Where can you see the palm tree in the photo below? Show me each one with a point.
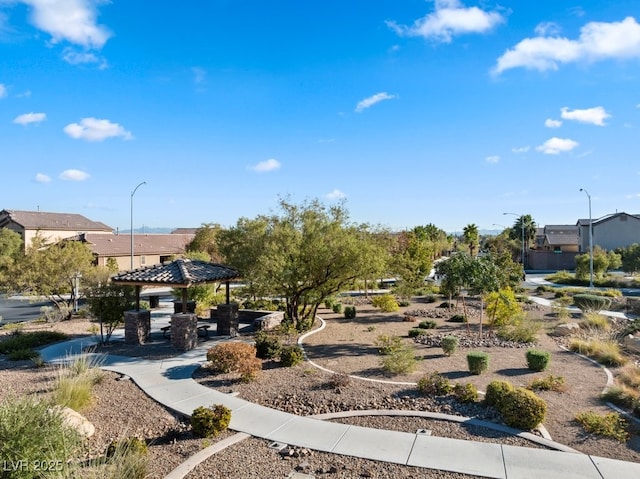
(471, 237)
(530, 228)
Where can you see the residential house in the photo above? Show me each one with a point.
(51, 226)
(557, 238)
(617, 230)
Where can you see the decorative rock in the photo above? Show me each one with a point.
(566, 329)
(632, 343)
(77, 421)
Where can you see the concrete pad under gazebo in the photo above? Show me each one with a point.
(181, 274)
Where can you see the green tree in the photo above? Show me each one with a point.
(411, 261)
(530, 229)
(11, 251)
(471, 237)
(441, 243)
(108, 302)
(603, 261)
(205, 240)
(630, 257)
(305, 253)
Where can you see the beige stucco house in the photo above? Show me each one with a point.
(617, 230)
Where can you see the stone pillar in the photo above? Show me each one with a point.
(184, 331)
(177, 307)
(227, 319)
(137, 326)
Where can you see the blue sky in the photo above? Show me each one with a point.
(412, 112)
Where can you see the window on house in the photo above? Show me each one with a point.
(143, 260)
(557, 249)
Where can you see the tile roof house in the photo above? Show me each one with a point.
(52, 226)
(557, 238)
(617, 230)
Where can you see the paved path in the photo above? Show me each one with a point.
(169, 382)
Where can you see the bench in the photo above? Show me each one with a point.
(203, 331)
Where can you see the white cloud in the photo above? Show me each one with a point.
(372, 100)
(595, 115)
(3, 90)
(336, 195)
(82, 58)
(597, 41)
(28, 118)
(492, 159)
(73, 21)
(450, 18)
(42, 178)
(93, 129)
(25, 94)
(547, 28)
(521, 149)
(266, 166)
(551, 123)
(555, 145)
(199, 75)
(74, 175)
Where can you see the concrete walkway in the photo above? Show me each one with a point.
(169, 382)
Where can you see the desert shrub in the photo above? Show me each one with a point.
(388, 344)
(129, 445)
(591, 303)
(525, 331)
(502, 307)
(127, 458)
(560, 294)
(427, 324)
(403, 303)
(478, 362)
(73, 387)
(449, 345)
(609, 425)
(328, 303)
(434, 384)
(595, 321)
(385, 302)
(415, 332)
(548, 383)
(350, 312)
(22, 354)
(235, 357)
(210, 421)
(35, 433)
(400, 361)
(457, 318)
(605, 351)
(537, 360)
(268, 346)
(622, 396)
(291, 355)
(560, 307)
(430, 298)
(465, 393)
(631, 327)
(339, 380)
(496, 393)
(522, 409)
(445, 304)
(336, 308)
(630, 375)
(20, 340)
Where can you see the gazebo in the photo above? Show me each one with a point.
(181, 274)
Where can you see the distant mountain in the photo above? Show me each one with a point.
(148, 231)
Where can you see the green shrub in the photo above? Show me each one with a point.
(415, 332)
(524, 332)
(622, 396)
(522, 409)
(427, 324)
(445, 304)
(548, 383)
(129, 445)
(478, 362)
(400, 361)
(496, 393)
(388, 344)
(606, 352)
(430, 298)
(235, 357)
(210, 421)
(74, 392)
(465, 393)
(537, 360)
(595, 321)
(22, 354)
(336, 308)
(591, 303)
(126, 459)
(350, 312)
(434, 385)
(457, 318)
(22, 341)
(449, 344)
(609, 425)
(328, 303)
(404, 303)
(291, 355)
(268, 346)
(385, 302)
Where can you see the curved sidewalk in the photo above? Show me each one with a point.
(169, 382)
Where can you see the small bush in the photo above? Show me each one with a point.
(524, 332)
(445, 304)
(465, 393)
(548, 383)
(210, 421)
(591, 303)
(430, 298)
(404, 303)
(537, 360)
(291, 355)
(21, 341)
(606, 352)
(74, 392)
(449, 345)
(268, 346)
(127, 458)
(388, 344)
(339, 380)
(336, 308)
(478, 362)
(130, 445)
(457, 318)
(434, 384)
(595, 321)
(427, 324)
(350, 312)
(609, 425)
(415, 332)
(385, 302)
(496, 393)
(400, 361)
(235, 357)
(22, 354)
(622, 396)
(522, 409)
(328, 303)
(630, 375)
(407, 318)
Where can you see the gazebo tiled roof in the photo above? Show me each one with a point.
(180, 273)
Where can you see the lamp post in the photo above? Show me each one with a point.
(590, 240)
(522, 228)
(133, 193)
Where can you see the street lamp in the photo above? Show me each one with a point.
(133, 193)
(522, 228)
(590, 240)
